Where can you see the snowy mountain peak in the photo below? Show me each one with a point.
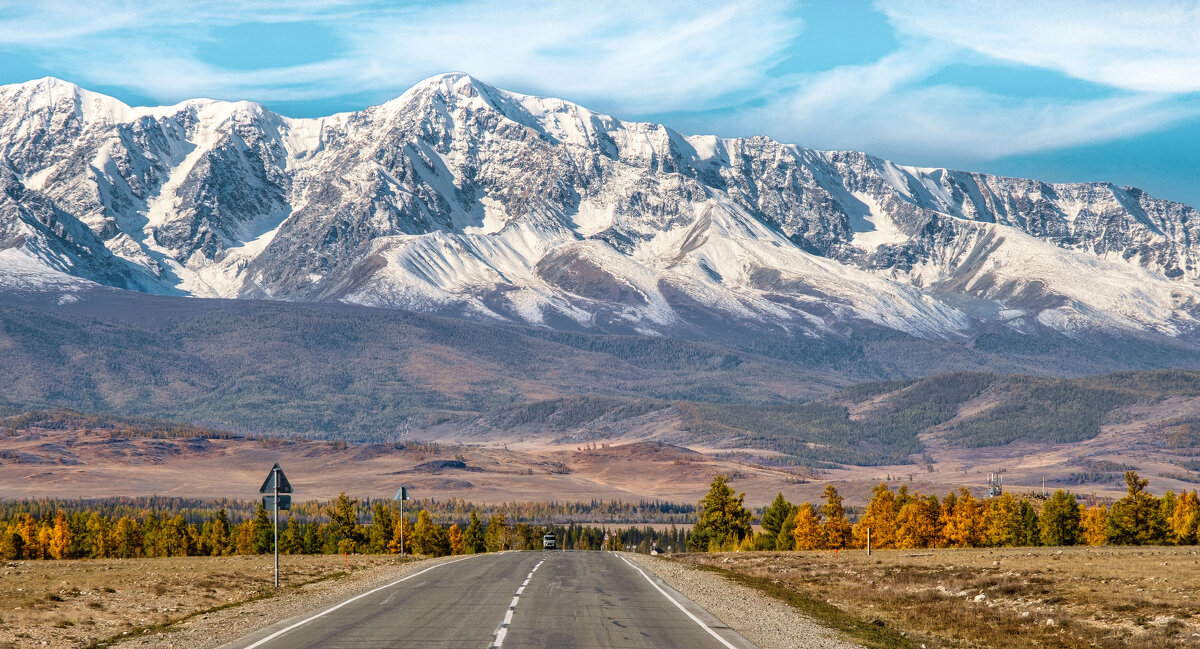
(51, 93)
(461, 198)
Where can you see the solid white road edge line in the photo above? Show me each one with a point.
(334, 608)
(502, 630)
(678, 605)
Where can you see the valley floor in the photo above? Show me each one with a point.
(95, 464)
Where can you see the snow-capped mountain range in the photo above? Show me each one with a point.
(461, 198)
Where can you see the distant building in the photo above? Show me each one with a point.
(995, 484)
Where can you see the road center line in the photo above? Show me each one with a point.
(502, 630)
(678, 605)
(356, 597)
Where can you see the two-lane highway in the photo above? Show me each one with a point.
(563, 600)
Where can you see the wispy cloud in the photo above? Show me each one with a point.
(636, 56)
(718, 60)
(639, 56)
(1144, 46)
(888, 108)
(1147, 55)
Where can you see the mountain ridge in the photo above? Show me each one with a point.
(461, 199)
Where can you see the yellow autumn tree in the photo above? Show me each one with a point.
(402, 529)
(457, 544)
(28, 530)
(917, 523)
(807, 533)
(45, 539)
(945, 518)
(880, 518)
(60, 536)
(244, 543)
(1095, 525)
(835, 531)
(1002, 521)
(1185, 520)
(964, 529)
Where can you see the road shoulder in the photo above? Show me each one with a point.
(763, 620)
(228, 625)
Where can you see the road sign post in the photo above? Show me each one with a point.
(275, 484)
(401, 495)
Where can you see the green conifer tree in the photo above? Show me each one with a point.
(722, 518)
(1059, 523)
(772, 520)
(473, 539)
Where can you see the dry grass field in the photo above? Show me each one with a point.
(79, 464)
(1139, 597)
(78, 603)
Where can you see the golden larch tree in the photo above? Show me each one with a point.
(917, 523)
(1002, 521)
(964, 528)
(807, 533)
(1186, 519)
(60, 536)
(835, 531)
(1095, 525)
(880, 518)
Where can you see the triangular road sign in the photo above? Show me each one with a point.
(268, 487)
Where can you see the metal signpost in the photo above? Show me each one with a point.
(401, 495)
(275, 484)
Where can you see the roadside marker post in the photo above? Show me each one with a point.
(401, 495)
(275, 484)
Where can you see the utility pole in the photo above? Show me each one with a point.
(868, 541)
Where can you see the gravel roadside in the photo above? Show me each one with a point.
(212, 630)
(767, 622)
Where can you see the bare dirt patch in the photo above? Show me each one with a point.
(76, 603)
(999, 598)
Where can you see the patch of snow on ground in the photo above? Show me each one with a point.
(592, 217)
(876, 228)
(21, 270)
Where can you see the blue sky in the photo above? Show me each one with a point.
(1040, 89)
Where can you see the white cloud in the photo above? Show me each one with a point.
(637, 56)
(964, 124)
(890, 107)
(1144, 46)
(630, 55)
(634, 57)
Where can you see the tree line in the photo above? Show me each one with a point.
(94, 534)
(900, 519)
(443, 511)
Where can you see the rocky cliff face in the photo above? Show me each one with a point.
(461, 198)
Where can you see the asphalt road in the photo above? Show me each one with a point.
(557, 600)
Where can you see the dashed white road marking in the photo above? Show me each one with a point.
(679, 606)
(502, 630)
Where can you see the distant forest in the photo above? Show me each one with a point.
(163, 527)
(889, 418)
